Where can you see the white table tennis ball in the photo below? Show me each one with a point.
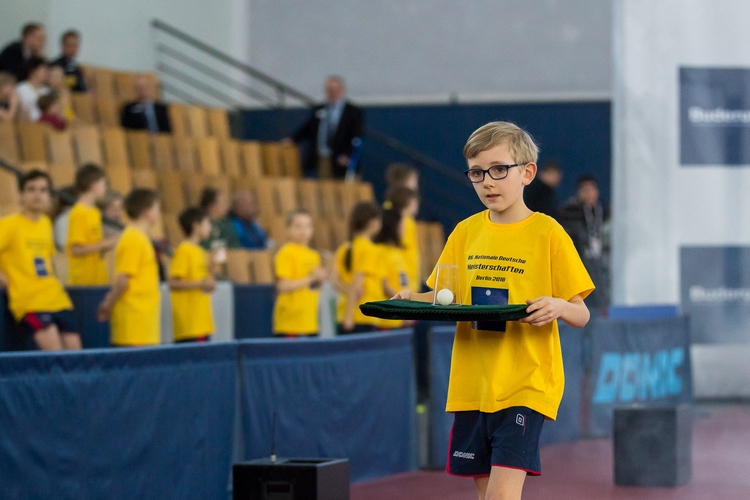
(445, 297)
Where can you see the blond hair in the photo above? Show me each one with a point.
(520, 144)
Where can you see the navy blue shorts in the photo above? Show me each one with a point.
(507, 438)
(35, 321)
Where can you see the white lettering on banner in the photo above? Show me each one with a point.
(463, 454)
(719, 294)
(718, 116)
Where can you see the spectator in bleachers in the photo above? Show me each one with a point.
(86, 244)
(9, 101)
(134, 299)
(111, 208)
(191, 280)
(540, 196)
(145, 113)
(223, 235)
(329, 132)
(244, 216)
(401, 175)
(56, 84)
(392, 261)
(30, 90)
(70, 44)
(299, 276)
(358, 277)
(14, 57)
(38, 301)
(65, 200)
(52, 111)
(405, 201)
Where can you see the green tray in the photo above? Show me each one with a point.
(409, 309)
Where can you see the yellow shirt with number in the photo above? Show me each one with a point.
(85, 228)
(191, 309)
(26, 249)
(135, 315)
(366, 260)
(296, 312)
(513, 363)
(395, 273)
(411, 254)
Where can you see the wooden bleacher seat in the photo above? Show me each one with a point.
(62, 174)
(194, 184)
(196, 121)
(84, 108)
(208, 155)
(172, 229)
(125, 86)
(340, 230)
(329, 200)
(33, 140)
(143, 178)
(177, 118)
(171, 191)
(26, 166)
(60, 147)
(292, 164)
(107, 111)
(309, 197)
(185, 154)
(348, 196)
(218, 123)
(230, 158)
(9, 150)
(8, 189)
(252, 159)
(238, 266)
(156, 232)
(261, 265)
(139, 148)
(365, 192)
(272, 160)
(162, 148)
(87, 141)
(431, 240)
(323, 236)
(119, 178)
(102, 82)
(115, 146)
(6, 210)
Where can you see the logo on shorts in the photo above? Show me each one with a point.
(463, 454)
(520, 420)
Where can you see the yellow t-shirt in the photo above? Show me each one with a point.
(26, 249)
(411, 254)
(493, 369)
(366, 260)
(395, 273)
(191, 309)
(296, 312)
(135, 315)
(85, 228)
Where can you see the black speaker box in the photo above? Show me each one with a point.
(653, 446)
(291, 479)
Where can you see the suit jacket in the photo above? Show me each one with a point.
(12, 61)
(350, 126)
(134, 117)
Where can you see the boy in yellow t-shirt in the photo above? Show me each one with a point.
(37, 299)
(507, 378)
(298, 279)
(394, 271)
(191, 280)
(86, 243)
(405, 200)
(358, 277)
(133, 302)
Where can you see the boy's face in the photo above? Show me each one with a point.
(153, 214)
(301, 229)
(35, 196)
(203, 228)
(500, 195)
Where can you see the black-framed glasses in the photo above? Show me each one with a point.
(496, 172)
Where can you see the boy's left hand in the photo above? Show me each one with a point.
(544, 310)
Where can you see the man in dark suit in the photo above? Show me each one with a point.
(330, 131)
(540, 196)
(145, 113)
(13, 57)
(70, 44)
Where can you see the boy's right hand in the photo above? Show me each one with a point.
(402, 295)
(104, 312)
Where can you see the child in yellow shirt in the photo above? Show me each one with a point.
(37, 299)
(358, 276)
(191, 280)
(298, 279)
(405, 200)
(392, 262)
(507, 378)
(134, 300)
(86, 244)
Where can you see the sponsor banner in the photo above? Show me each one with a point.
(714, 116)
(643, 363)
(715, 289)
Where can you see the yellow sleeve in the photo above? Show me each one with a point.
(569, 276)
(180, 263)
(78, 227)
(128, 256)
(283, 264)
(448, 256)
